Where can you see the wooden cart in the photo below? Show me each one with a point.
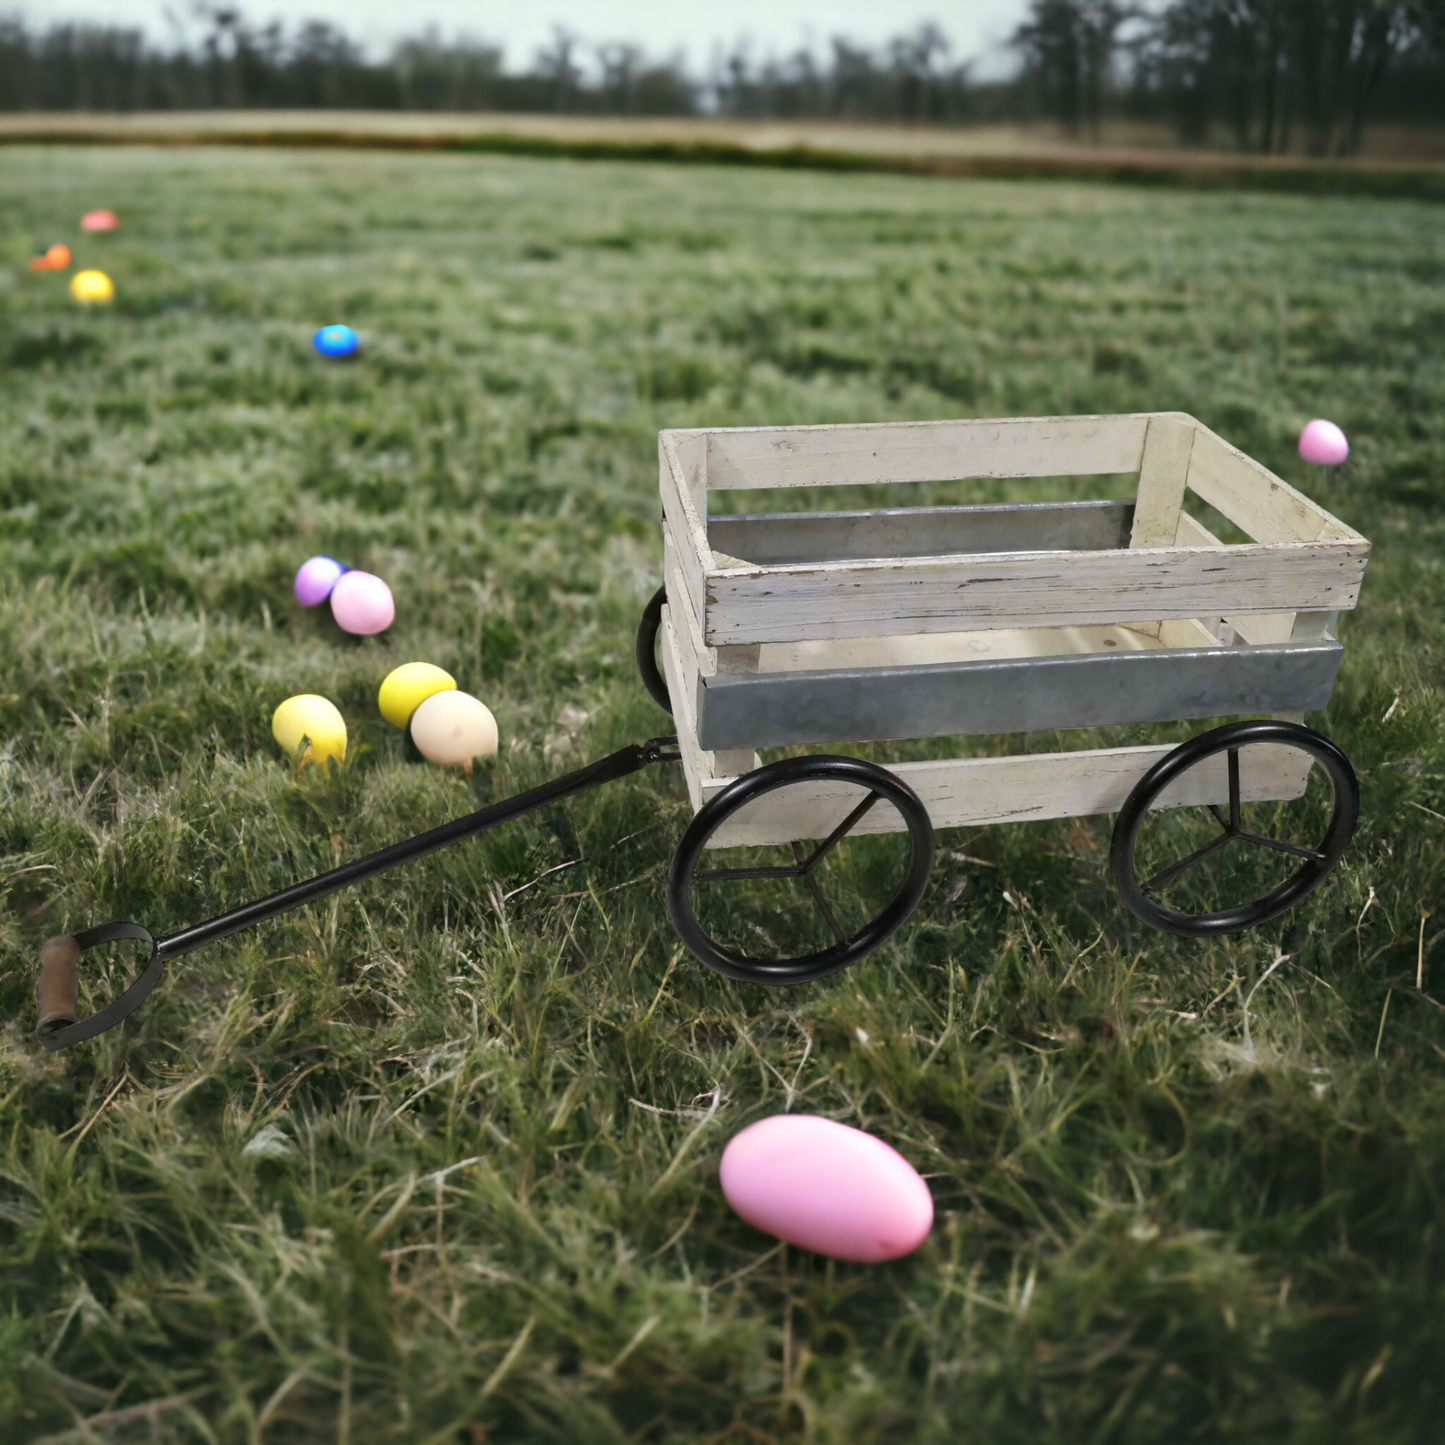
(804, 628)
(788, 629)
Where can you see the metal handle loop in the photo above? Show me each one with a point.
(117, 1008)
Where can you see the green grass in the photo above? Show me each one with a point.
(232, 1220)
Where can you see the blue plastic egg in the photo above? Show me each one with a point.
(336, 341)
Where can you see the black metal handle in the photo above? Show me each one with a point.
(55, 1033)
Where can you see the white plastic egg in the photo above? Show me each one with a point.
(453, 728)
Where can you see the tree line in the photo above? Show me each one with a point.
(1261, 75)
(237, 64)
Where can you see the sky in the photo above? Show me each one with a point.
(977, 28)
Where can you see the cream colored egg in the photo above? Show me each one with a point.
(310, 729)
(452, 728)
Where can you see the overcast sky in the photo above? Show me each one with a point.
(977, 28)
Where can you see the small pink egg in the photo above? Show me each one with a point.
(315, 579)
(1323, 443)
(826, 1187)
(362, 603)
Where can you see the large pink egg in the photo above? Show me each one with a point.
(362, 603)
(1323, 443)
(826, 1187)
(315, 578)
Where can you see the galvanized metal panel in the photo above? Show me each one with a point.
(1013, 695)
(778, 539)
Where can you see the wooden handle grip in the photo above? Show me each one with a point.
(59, 987)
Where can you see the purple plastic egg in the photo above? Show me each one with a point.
(826, 1187)
(315, 579)
(362, 603)
(1323, 443)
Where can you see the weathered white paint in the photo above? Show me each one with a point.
(681, 519)
(1255, 628)
(1162, 472)
(971, 792)
(1026, 589)
(699, 767)
(1254, 499)
(923, 451)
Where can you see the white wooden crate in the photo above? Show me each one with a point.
(1151, 577)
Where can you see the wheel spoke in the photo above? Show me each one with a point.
(715, 875)
(836, 836)
(817, 892)
(1293, 848)
(1234, 790)
(1219, 817)
(1184, 863)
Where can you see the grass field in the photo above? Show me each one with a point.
(435, 1160)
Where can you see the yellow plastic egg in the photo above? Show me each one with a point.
(310, 723)
(407, 687)
(452, 728)
(88, 286)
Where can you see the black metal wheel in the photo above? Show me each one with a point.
(881, 880)
(1323, 802)
(652, 678)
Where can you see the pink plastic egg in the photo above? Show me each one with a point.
(99, 221)
(362, 603)
(826, 1187)
(1323, 443)
(315, 579)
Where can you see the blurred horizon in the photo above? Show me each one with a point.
(977, 31)
(1261, 76)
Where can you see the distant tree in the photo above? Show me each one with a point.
(1261, 68)
(555, 64)
(1068, 49)
(433, 74)
(910, 80)
(632, 85)
(854, 81)
(918, 64)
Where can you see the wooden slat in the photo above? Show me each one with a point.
(1193, 533)
(1163, 468)
(697, 766)
(685, 617)
(1035, 589)
(1253, 498)
(1186, 632)
(937, 451)
(971, 792)
(927, 648)
(684, 524)
(724, 763)
(699, 661)
(690, 450)
(1162, 472)
(1255, 628)
(1260, 628)
(1313, 626)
